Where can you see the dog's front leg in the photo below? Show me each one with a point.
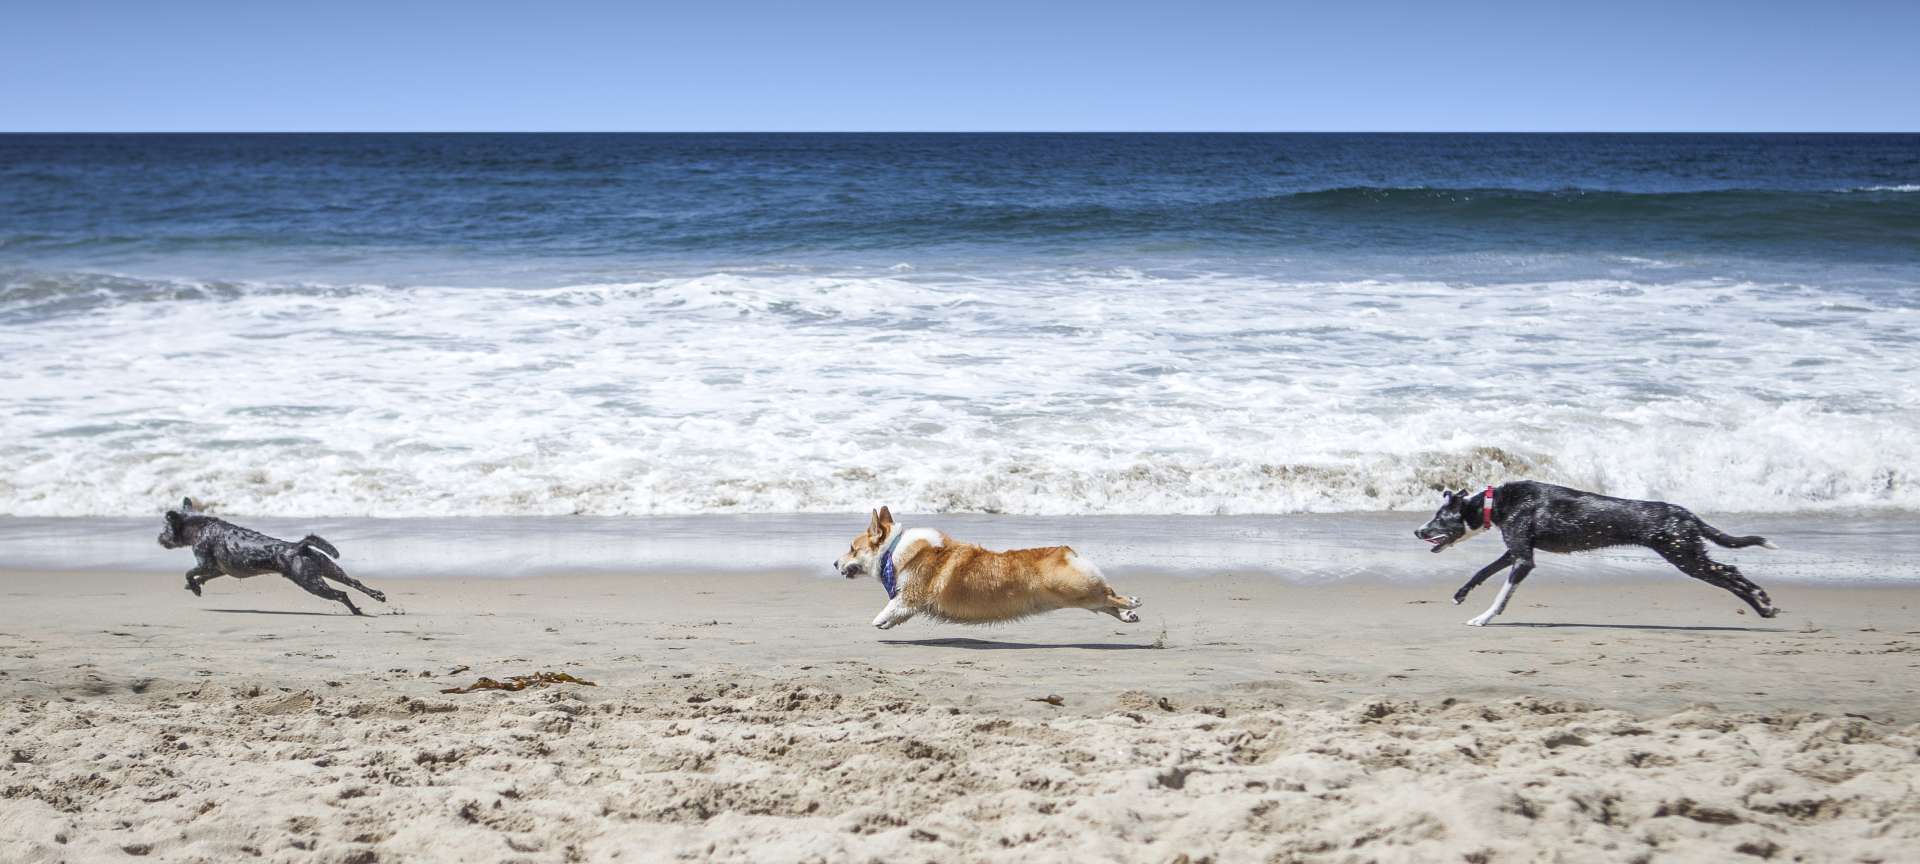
(1460, 596)
(204, 568)
(1519, 575)
(199, 575)
(895, 613)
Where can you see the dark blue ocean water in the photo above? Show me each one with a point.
(457, 325)
(547, 209)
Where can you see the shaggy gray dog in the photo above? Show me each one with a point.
(221, 548)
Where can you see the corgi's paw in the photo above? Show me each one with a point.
(1129, 602)
(1129, 616)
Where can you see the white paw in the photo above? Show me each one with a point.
(1130, 616)
(1478, 622)
(1129, 602)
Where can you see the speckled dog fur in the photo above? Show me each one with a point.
(1532, 515)
(221, 548)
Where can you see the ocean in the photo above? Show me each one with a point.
(452, 326)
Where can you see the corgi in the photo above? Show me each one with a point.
(925, 572)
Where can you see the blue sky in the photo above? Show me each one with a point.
(716, 65)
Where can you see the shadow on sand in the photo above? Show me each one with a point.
(1675, 627)
(274, 612)
(991, 645)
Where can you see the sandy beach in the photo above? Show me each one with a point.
(758, 717)
(591, 338)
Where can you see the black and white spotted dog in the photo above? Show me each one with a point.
(1557, 519)
(221, 548)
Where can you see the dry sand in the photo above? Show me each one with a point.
(759, 718)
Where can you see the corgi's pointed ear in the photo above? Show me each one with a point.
(886, 517)
(873, 525)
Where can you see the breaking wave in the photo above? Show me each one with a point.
(1068, 392)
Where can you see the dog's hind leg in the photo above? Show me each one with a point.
(1101, 599)
(332, 571)
(1086, 588)
(302, 573)
(1122, 608)
(1460, 596)
(1692, 560)
(1519, 574)
(335, 594)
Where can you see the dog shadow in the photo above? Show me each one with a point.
(1685, 628)
(272, 612)
(993, 645)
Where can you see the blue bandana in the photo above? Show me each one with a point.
(886, 567)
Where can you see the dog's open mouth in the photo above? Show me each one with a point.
(1439, 543)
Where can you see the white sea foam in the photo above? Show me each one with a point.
(1051, 393)
(1902, 187)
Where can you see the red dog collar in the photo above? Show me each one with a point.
(1486, 511)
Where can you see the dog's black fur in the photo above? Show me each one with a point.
(1542, 516)
(222, 548)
